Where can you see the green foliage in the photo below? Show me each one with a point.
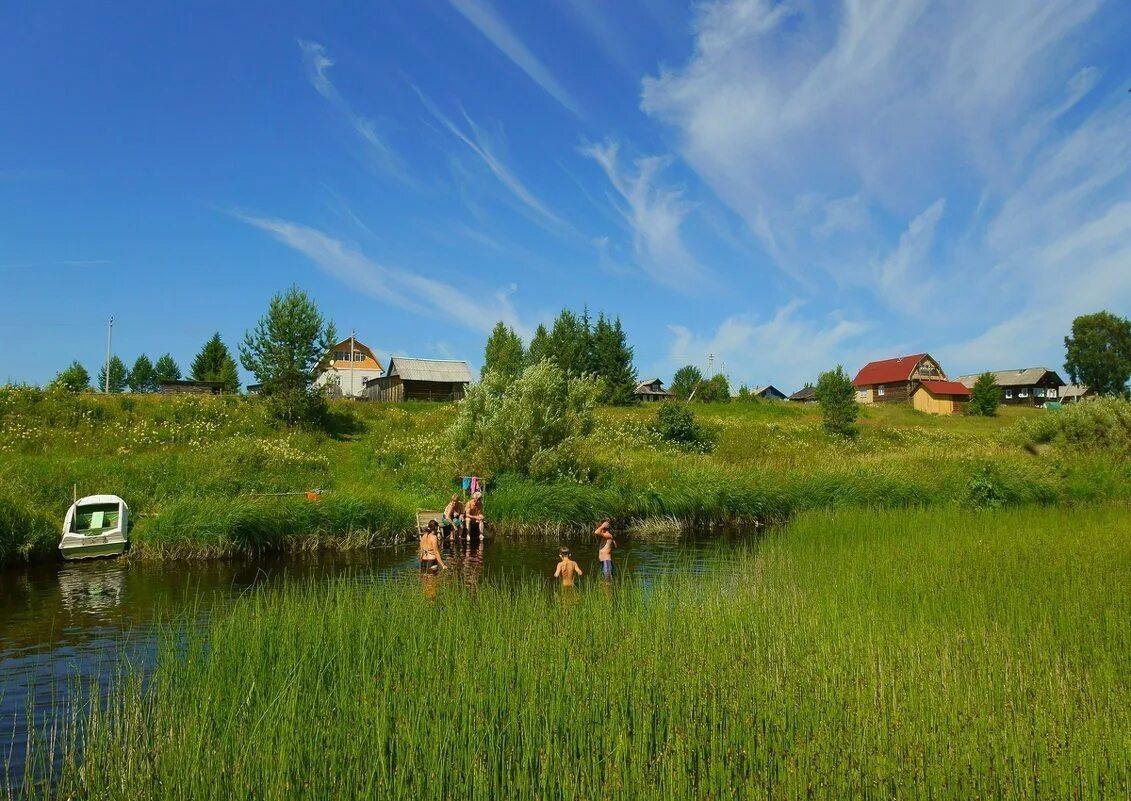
(743, 393)
(142, 375)
(715, 389)
(532, 426)
(74, 379)
(1101, 424)
(1099, 353)
(984, 396)
(119, 376)
(837, 399)
(539, 346)
(287, 343)
(167, 369)
(570, 344)
(504, 353)
(26, 534)
(676, 424)
(215, 363)
(685, 381)
(612, 362)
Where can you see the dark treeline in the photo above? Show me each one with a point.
(576, 344)
(214, 362)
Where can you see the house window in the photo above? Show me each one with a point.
(358, 356)
(341, 356)
(1022, 393)
(862, 393)
(1039, 392)
(1051, 392)
(1009, 394)
(879, 391)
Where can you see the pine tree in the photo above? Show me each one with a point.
(215, 363)
(539, 346)
(685, 381)
(984, 396)
(569, 343)
(837, 397)
(166, 369)
(119, 376)
(612, 361)
(141, 377)
(504, 353)
(74, 379)
(743, 393)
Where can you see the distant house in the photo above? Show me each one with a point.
(1071, 393)
(939, 397)
(651, 390)
(767, 392)
(345, 368)
(897, 381)
(191, 387)
(420, 379)
(804, 395)
(1029, 386)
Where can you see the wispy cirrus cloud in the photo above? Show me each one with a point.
(488, 22)
(317, 64)
(395, 287)
(655, 214)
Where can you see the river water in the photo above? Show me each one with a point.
(63, 622)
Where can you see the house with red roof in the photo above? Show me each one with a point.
(916, 379)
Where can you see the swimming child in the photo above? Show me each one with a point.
(567, 568)
(430, 560)
(605, 554)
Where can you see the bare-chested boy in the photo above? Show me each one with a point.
(567, 568)
(605, 554)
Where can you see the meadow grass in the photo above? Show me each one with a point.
(854, 654)
(197, 472)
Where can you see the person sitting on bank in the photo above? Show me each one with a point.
(567, 568)
(451, 512)
(430, 560)
(605, 554)
(473, 517)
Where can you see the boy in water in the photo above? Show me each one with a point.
(605, 554)
(567, 568)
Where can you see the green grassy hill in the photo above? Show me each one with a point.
(197, 472)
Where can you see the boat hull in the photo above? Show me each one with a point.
(92, 548)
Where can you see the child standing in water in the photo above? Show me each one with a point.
(430, 560)
(605, 554)
(567, 568)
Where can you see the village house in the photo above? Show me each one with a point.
(917, 379)
(767, 392)
(420, 379)
(1029, 386)
(345, 368)
(804, 395)
(184, 387)
(1071, 393)
(651, 390)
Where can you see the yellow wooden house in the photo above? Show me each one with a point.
(346, 367)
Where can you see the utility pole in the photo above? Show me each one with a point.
(710, 365)
(351, 362)
(109, 337)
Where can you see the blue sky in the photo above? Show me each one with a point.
(785, 185)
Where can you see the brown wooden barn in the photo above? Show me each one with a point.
(420, 379)
(1029, 386)
(894, 380)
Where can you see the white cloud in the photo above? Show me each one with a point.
(399, 288)
(904, 276)
(785, 350)
(483, 16)
(655, 214)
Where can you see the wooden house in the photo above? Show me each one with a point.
(346, 367)
(1029, 386)
(894, 380)
(939, 397)
(651, 390)
(804, 395)
(420, 379)
(767, 392)
(191, 387)
(1072, 393)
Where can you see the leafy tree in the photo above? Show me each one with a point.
(569, 343)
(531, 426)
(539, 346)
(743, 393)
(119, 376)
(612, 361)
(1099, 353)
(215, 363)
(984, 396)
(504, 353)
(282, 351)
(685, 381)
(715, 389)
(74, 379)
(141, 377)
(837, 397)
(675, 423)
(166, 369)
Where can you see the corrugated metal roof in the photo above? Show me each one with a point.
(887, 371)
(1073, 391)
(444, 370)
(1025, 377)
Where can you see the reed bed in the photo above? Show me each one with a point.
(940, 654)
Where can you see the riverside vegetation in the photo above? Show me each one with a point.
(941, 653)
(201, 474)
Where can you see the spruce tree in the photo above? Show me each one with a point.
(612, 361)
(504, 353)
(166, 369)
(215, 363)
(985, 396)
(539, 346)
(119, 376)
(74, 379)
(743, 393)
(569, 343)
(837, 397)
(142, 375)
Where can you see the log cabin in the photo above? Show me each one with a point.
(1029, 386)
(900, 380)
(420, 379)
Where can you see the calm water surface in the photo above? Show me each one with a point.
(65, 621)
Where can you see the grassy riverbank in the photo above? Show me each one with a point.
(198, 473)
(931, 653)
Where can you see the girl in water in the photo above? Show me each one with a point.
(430, 561)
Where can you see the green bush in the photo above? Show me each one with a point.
(676, 424)
(837, 398)
(1103, 424)
(985, 396)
